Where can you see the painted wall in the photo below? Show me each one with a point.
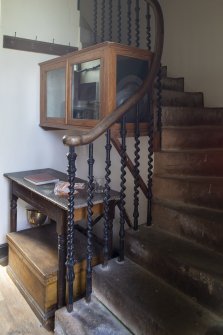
(23, 144)
(193, 45)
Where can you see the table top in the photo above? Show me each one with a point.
(47, 190)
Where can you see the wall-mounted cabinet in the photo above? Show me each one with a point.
(77, 90)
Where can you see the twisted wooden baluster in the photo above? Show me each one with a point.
(148, 26)
(107, 197)
(119, 22)
(137, 23)
(123, 188)
(70, 227)
(129, 20)
(95, 21)
(103, 21)
(136, 171)
(90, 192)
(110, 19)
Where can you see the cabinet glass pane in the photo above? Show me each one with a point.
(55, 93)
(131, 73)
(86, 90)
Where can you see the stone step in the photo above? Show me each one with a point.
(189, 116)
(88, 318)
(175, 84)
(193, 137)
(199, 191)
(193, 269)
(200, 224)
(146, 304)
(189, 162)
(175, 98)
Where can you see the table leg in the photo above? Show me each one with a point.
(13, 213)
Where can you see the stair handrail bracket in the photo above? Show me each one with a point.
(146, 87)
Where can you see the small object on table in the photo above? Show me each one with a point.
(99, 184)
(41, 178)
(62, 188)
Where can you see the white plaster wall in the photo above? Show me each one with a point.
(23, 144)
(193, 45)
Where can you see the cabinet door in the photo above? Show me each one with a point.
(53, 94)
(85, 91)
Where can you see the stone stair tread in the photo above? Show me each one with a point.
(170, 83)
(192, 137)
(190, 150)
(191, 178)
(186, 109)
(195, 127)
(200, 191)
(179, 98)
(182, 94)
(194, 269)
(189, 161)
(182, 115)
(206, 213)
(147, 304)
(88, 318)
(184, 251)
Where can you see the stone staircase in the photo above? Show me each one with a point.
(171, 282)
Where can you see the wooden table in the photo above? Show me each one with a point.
(42, 197)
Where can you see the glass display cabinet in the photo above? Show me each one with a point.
(77, 90)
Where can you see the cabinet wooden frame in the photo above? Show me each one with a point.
(107, 53)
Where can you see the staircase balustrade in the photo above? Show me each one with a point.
(104, 126)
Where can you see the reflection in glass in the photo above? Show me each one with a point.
(85, 90)
(131, 73)
(55, 93)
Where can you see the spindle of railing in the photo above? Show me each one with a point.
(150, 163)
(110, 32)
(150, 129)
(107, 196)
(137, 23)
(129, 21)
(136, 171)
(102, 20)
(70, 262)
(159, 102)
(119, 17)
(148, 26)
(95, 20)
(90, 192)
(123, 133)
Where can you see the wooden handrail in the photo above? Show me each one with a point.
(146, 87)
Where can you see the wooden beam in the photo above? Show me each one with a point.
(24, 44)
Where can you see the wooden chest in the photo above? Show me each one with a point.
(33, 266)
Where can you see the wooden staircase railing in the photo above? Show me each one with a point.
(104, 127)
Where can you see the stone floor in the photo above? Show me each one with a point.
(16, 317)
